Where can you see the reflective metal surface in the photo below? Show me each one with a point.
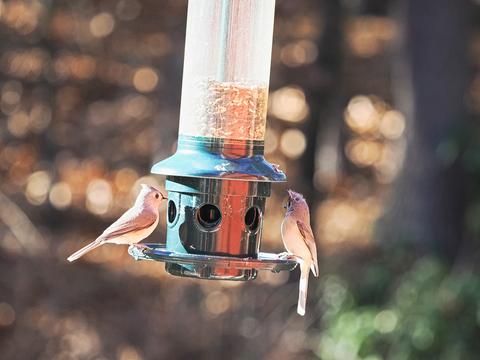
(214, 186)
(264, 261)
(219, 159)
(214, 217)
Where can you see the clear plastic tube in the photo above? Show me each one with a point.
(227, 69)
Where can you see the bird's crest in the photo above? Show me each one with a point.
(294, 195)
(148, 187)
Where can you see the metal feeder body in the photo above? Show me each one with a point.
(218, 179)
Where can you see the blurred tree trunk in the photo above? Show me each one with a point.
(324, 99)
(430, 83)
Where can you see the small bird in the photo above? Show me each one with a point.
(133, 226)
(298, 239)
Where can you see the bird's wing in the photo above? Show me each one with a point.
(132, 219)
(306, 232)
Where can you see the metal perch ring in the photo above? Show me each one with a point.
(264, 261)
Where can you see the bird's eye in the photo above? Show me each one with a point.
(157, 196)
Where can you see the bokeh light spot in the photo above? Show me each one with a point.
(385, 321)
(217, 302)
(289, 104)
(137, 107)
(18, 124)
(422, 336)
(40, 117)
(125, 178)
(299, 53)
(392, 124)
(37, 188)
(367, 36)
(363, 152)
(128, 352)
(60, 195)
(145, 79)
(361, 115)
(293, 143)
(102, 24)
(7, 314)
(99, 196)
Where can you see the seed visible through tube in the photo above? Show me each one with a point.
(232, 110)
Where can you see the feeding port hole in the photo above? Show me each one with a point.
(252, 218)
(172, 211)
(209, 216)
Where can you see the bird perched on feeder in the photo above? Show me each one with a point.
(298, 239)
(133, 226)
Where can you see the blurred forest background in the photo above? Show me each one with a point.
(373, 114)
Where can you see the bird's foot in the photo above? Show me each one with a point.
(141, 247)
(287, 256)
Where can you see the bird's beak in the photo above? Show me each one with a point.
(163, 196)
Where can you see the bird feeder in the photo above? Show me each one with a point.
(218, 180)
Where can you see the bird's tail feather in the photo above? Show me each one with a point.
(302, 290)
(84, 250)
